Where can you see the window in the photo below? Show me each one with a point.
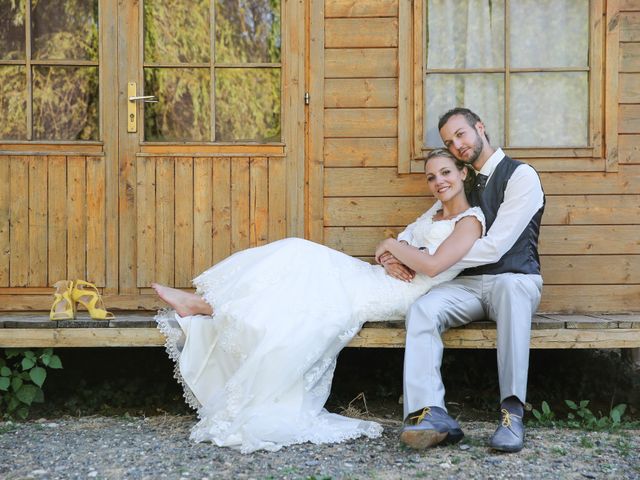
(49, 70)
(532, 70)
(215, 67)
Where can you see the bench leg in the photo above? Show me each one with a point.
(632, 355)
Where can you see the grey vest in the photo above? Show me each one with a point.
(523, 256)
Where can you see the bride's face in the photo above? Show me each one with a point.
(444, 178)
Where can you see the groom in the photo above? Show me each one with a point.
(501, 281)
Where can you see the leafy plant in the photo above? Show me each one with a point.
(546, 416)
(22, 374)
(582, 417)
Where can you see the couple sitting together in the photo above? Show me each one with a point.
(256, 346)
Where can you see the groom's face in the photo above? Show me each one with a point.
(461, 139)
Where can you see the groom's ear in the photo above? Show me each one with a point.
(480, 129)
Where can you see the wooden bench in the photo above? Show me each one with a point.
(137, 329)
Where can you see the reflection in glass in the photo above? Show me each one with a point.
(65, 103)
(465, 34)
(12, 30)
(248, 104)
(176, 31)
(65, 29)
(247, 31)
(13, 102)
(548, 33)
(483, 93)
(549, 109)
(183, 111)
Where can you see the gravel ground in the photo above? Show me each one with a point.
(158, 447)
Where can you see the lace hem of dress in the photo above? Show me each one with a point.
(203, 432)
(173, 337)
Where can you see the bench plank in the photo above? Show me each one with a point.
(137, 329)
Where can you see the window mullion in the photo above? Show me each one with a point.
(27, 29)
(212, 69)
(507, 65)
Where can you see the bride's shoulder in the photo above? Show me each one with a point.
(473, 212)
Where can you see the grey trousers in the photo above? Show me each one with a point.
(509, 299)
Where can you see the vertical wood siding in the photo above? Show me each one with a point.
(52, 220)
(193, 212)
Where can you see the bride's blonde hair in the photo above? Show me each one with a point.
(460, 165)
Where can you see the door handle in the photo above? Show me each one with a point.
(132, 107)
(145, 99)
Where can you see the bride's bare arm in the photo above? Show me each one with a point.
(465, 233)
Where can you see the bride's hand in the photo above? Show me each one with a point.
(382, 248)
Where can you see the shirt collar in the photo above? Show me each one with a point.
(492, 162)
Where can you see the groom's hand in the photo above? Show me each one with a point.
(396, 268)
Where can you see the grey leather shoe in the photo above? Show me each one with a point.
(509, 436)
(429, 427)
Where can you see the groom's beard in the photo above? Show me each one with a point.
(475, 150)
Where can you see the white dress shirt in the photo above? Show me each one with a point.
(523, 197)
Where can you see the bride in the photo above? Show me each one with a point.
(255, 347)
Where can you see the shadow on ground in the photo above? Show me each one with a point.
(140, 381)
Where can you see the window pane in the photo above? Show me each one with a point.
(183, 111)
(65, 29)
(13, 103)
(176, 31)
(465, 33)
(65, 103)
(247, 31)
(482, 93)
(549, 110)
(11, 30)
(248, 104)
(548, 33)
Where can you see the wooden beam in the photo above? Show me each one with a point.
(369, 337)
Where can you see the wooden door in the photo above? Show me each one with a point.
(215, 166)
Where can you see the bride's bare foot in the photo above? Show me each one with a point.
(184, 303)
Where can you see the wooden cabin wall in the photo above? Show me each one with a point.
(590, 239)
(190, 213)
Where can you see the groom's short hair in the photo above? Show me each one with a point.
(471, 117)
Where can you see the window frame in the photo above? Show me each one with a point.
(412, 19)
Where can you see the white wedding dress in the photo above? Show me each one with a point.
(259, 370)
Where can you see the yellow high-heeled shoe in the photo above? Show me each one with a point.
(63, 308)
(87, 294)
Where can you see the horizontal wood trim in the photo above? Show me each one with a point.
(18, 302)
(629, 119)
(360, 152)
(360, 92)
(559, 210)
(196, 150)
(361, 63)
(360, 32)
(371, 336)
(630, 27)
(590, 269)
(629, 60)
(546, 164)
(629, 5)
(358, 8)
(386, 182)
(629, 149)
(378, 122)
(629, 87)
(584, 269)
(79, 148)
(554, 240)
(590, 298)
